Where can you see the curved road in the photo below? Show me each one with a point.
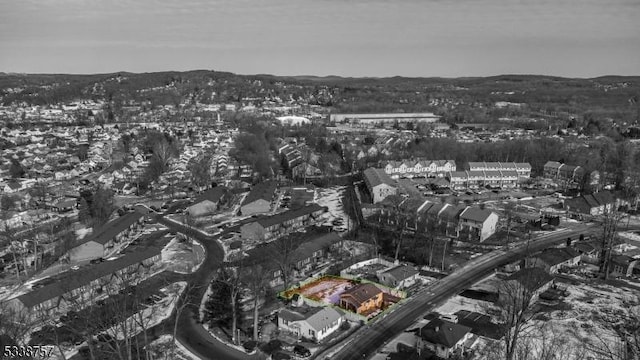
(190, 333)
(365, 340)
(369, 338)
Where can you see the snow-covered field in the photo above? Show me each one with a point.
(161, 349)
(182, 257)
(583, 331)
(332, 199)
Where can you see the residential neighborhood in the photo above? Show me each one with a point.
(277, 226)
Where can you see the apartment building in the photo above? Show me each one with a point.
(102, 241)
(78, 288)
(275, 226)
(419, 168)
(379, 184)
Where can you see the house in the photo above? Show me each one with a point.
(207, 203)
(362, 299)
(379, 184)
(306, 256)
(77, 288)
(258, 200)
(529, 282)
(558, 171)
(551, 169)
(589, 250)
(444, 338)
(399, 277)
(312, 323)
(480, 223)
(623, 265)
(272, 227)
(554, 259)
(592, 204)
(65, 205)
(100, 243)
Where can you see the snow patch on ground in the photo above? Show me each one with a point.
(154, 314)
(183, 257)
(458, 303)
(161, 349)
(587, 327)
(332, 199)
(83, 232)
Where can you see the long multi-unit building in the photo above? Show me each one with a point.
(379, 184)
(272, 227)
(418, 168)
(371, 120)
(78, 288)
(460, 180)
(522, 169)
(102, 241)
(559, 171)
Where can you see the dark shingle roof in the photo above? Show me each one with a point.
(213, 194)
(77, 278)
(475, 214)
(307, 249)
(113, 228)
(262, 191)
(531, 278)
(556, 256)
(289, 215)
(362, 292)
(376, 177)
(402, 272)
(443, 332)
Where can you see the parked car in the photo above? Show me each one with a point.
(301, 351)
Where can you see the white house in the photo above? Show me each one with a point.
(481, 222)
(312, 323)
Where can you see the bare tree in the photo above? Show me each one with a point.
(611, 219)
(9, 238)
(281, 254)
(509, 213)
(516, 310)
(232, 278)
(182, 302)
(15, 323)
(256, 281)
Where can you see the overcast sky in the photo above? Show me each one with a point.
(575, 38)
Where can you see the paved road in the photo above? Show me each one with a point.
(191, 334)
(367, 339)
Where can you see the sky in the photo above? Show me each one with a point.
(445, 38)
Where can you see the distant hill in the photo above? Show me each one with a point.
(467, 99)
